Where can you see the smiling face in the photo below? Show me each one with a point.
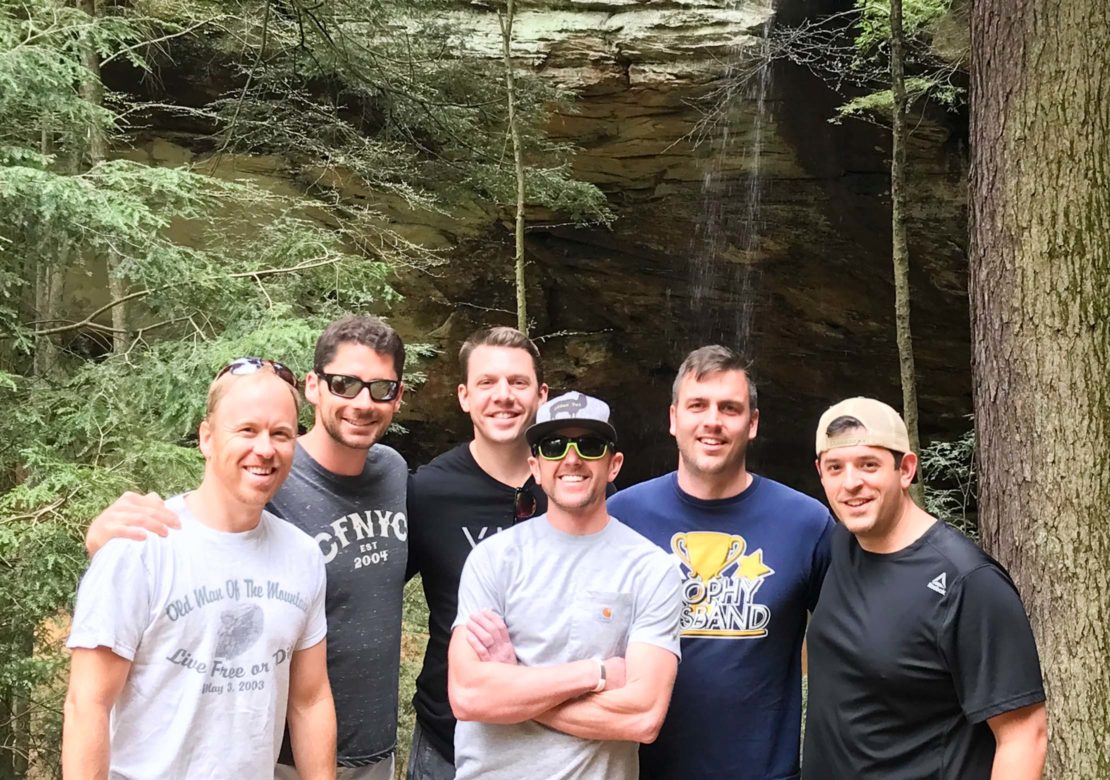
(248, 439)
(866, 491)
(501, 393)
(572, 484)
(712, 422)
(353, 423)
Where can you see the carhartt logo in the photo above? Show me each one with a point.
(939, 583)
(607, 614)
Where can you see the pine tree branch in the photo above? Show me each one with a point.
(88, 322)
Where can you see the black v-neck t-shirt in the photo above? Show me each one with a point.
(453, 505)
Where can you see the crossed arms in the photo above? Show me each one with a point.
(485, 684)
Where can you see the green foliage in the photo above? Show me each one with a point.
(919, 18)
(852, 48)
(259, 273)
(881, 103)
(388, 96)
(414, 640)
(951, 486)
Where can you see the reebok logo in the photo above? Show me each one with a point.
(939, 583)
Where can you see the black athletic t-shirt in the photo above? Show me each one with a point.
(909, 654)
(453, 505)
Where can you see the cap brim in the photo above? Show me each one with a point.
(541, 430)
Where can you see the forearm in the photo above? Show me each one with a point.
(1016, 760)
(631, 713)
(312, 735)
(85, 753)
(493, 692)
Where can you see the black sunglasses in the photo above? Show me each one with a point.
(350, 386)
(557, 447)
(524, 504)
(252, 365)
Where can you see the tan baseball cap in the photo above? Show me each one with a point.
(882, 426)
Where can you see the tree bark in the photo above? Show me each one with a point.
(900, 251)
(506, 21)
(92, 90)
(1040, 310)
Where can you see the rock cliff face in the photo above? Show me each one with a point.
(744, 218)
(771, 234)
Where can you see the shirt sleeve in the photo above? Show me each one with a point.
(316, 626)
(990, 648)
(659, 608)
(113, 600)
(478, 587)
(819, 564)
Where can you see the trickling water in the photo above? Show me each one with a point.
(724, 268)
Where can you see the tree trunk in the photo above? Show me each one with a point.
(506, 21)
(900, 251)
(1040, 310)
(48, 278)
(92, 89)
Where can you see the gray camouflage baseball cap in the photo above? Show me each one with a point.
(572, 410)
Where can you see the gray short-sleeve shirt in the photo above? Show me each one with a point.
(564, 598)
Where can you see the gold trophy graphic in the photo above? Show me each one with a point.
(707, 553)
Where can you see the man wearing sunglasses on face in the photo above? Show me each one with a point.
(347, 492)
(565, 646)
(188, 650)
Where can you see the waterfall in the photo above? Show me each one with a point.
(726, 246)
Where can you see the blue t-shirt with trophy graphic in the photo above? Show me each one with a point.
(752, 568)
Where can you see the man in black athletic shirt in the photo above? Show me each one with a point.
(921, 659)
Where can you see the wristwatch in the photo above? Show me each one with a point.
(600, 677)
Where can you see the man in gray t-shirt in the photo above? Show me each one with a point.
(565, 647)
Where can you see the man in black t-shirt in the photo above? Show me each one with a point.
(922, 663)
(462, 497)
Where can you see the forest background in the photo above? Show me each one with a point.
(199, 266)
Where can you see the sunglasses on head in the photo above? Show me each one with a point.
(350, 386)
(524, 504)
(557, 447)
(252, 365)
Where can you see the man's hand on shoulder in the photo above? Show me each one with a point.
(488, 635)
(130, 516)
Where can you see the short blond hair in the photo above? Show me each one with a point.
(218, 389)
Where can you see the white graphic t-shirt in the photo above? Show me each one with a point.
(209, 621)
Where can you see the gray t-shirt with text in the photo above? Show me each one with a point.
(360, 525)
(564, 598)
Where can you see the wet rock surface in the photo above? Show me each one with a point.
(808, 294)
(810, 297)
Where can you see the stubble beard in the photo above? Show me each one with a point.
(334, 428)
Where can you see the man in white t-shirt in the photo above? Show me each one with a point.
(190, 650)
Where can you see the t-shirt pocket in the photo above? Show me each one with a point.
(601, 622)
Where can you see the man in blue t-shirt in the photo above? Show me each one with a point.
(753, 554)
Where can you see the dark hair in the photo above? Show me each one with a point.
(711, 360)
(360, 329)
(845, 423)
(499, 336)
